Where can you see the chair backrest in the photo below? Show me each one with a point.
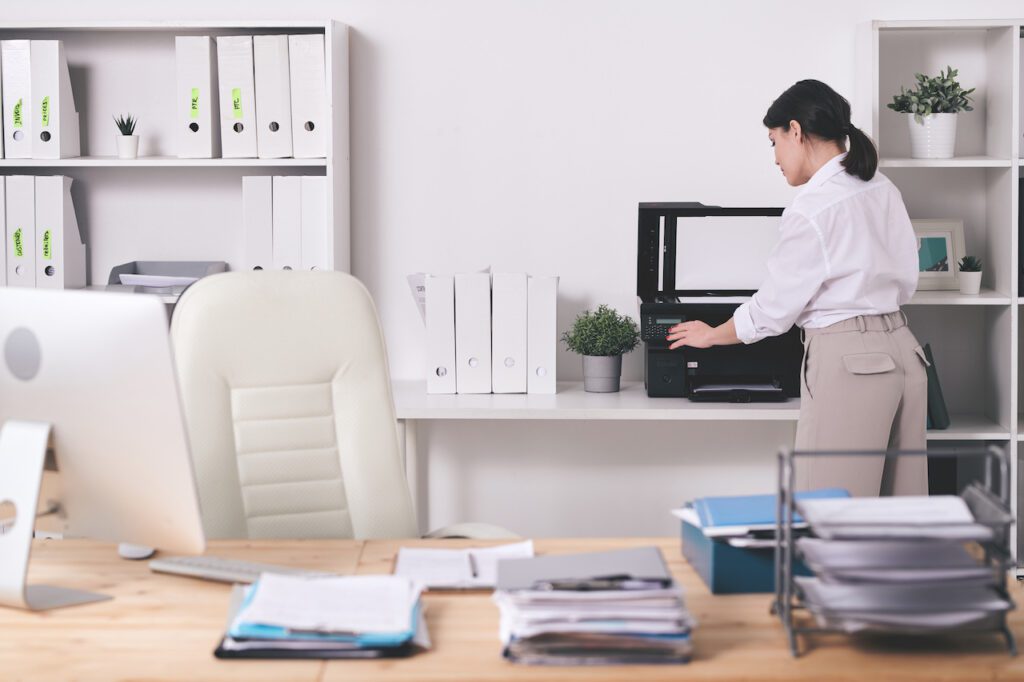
(287, 399)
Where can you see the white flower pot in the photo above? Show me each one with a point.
(127, 146)
(932, 136)
(970, 283)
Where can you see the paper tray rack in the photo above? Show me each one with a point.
(995, 493)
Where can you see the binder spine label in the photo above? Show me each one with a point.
(47, 246)
(46, 111)
(19, 244)
(194, 107)
(236, 102)
(17, 114)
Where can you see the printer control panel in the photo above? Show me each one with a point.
(654, 327)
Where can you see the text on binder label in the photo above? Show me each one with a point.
(236, 102)
(17, 114)
(19, 244)
(195, 103)
(46, 111)
(47, 246)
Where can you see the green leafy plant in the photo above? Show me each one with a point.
(602, 332)
(970, 264)
(939, 95)
(126, 124)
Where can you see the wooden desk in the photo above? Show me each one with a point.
(165, 628)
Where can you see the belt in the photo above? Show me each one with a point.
(886, 322)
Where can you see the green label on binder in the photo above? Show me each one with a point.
(47, 246)
(19, 245)
(195, 102)
(46, 111)
(236, 102)
(17, 114)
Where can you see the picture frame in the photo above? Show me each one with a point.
(940, 246)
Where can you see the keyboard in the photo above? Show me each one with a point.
(225, 570)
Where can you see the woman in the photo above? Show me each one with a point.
(845, 262)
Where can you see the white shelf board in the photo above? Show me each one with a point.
(630, 404)
(571, 403)
(930, 24)
(986, 297)
(158, 162)
(160, 25)
(956, 162)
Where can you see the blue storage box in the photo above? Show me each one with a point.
(731, 570)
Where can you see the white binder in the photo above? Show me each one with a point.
(56, 125)
(197, 135)
(20, 233)
(1, 133)
(309, 95)
(60, 253)
(273, 97)
(3, 231)
(473, 332)
(508, 311)
(287, 222)
(258, 221)
(542, 334)
(440, 305)
(16, 75)
(316, 247)
(237, 97)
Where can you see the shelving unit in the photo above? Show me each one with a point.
(976, 340)
(160, 207)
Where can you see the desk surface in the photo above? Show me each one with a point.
(165, 628)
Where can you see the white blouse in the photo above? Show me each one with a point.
(846, 248)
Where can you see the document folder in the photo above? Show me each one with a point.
(4, 245)
(16, 77)
(258, 220)
(542, 334)
(315, 239)
(60, 253)
(473, 332)
(237, 96)
(509, 325)
(639, 563)
(273, 97)
(21, 230)
(308, 95)
(56, 125)
(440, 305)
(197, 134)
(287, 222)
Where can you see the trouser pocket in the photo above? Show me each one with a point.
(869, 363)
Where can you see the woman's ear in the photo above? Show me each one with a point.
(795, 131)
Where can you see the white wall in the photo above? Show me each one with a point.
(522, 135)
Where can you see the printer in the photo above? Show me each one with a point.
(768, 370)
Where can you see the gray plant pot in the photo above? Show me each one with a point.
(601, 373)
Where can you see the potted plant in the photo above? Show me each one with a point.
(931, 108)
(970, 275)
(602, 337)
(127, 141)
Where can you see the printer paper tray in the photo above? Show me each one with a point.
(737, 393)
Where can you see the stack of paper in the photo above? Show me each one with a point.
(457, 569)
(590, 609)
(339, 617)
(898, 563)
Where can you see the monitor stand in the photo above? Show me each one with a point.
(22, 457)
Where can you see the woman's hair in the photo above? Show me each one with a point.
(824, 113)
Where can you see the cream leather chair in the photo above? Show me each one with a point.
(287, 399)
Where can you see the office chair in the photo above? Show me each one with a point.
(287, 400)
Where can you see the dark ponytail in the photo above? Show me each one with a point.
(825, 114)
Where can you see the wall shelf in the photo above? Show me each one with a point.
(978, 161)
(986, 297)
(159, 162)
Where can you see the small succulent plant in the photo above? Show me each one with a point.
(126, 124)
(933, 95)
(970, 264)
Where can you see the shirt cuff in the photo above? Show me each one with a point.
(745, 330)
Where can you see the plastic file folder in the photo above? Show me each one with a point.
(509, 324)
(314, 240)
(60, 253)
(440, 319)
(4, 248)
(56, 125)
(16, 68)
(751, 511)
(473, 332)
(237, 96)
(258, 219)
(273, 97)
(308, 80)
(21, 230)
(542, 334)
(287, 222)
(197, 134)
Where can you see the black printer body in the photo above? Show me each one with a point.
(768, 370)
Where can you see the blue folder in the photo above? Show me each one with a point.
(751, 510)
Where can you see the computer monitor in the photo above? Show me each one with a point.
(92, 373)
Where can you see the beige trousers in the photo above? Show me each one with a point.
(864, 387)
